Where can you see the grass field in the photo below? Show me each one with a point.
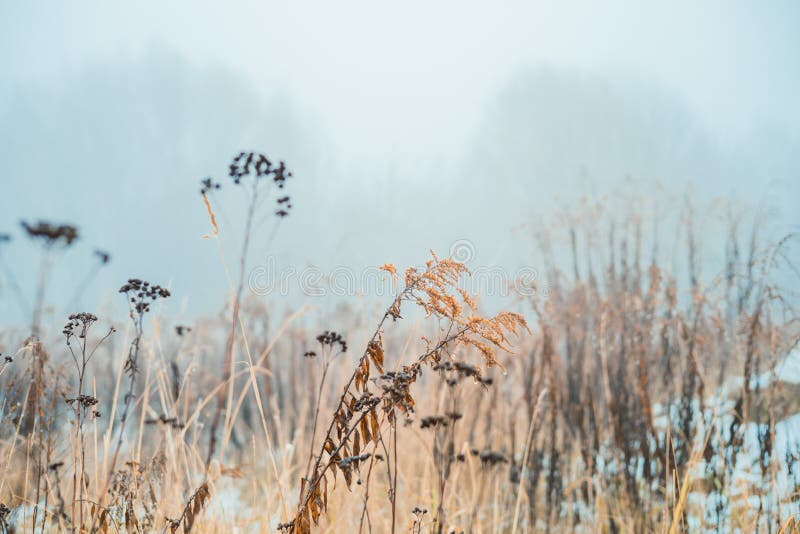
(623, 398)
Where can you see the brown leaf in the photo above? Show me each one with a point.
(373, 420)
(325, 493)
(363, 425)
(314, 509)
(348, 476)
(375, 351)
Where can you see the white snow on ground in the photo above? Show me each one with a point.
(789, 369)
(747, 475)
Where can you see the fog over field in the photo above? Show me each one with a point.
(432, 267)
(407, 127)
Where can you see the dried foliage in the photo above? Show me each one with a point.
(373, 399)
(640, 400)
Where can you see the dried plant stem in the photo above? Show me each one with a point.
(34, 400)
(225, 400)
(396, 471)
(325, 366)
(133, 359)
(372, 460)
(315, 471)
(319, 469)
(528, 445)
(225, 395)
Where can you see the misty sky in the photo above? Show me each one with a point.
(408, 126)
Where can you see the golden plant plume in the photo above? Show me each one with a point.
(369, 405)
(438, 293)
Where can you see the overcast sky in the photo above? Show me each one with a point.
(409, 126)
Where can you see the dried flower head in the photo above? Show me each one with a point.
(181, 330)
(258, 167)
(489, 458)
(142, 294)
(208, 184)
(162, 419)
(433, 421)
(344, 463)
(79, 324)
(286, 527)
(51, 234)
(84, 400)
(328, 338)
(103, 256)
(396, 387)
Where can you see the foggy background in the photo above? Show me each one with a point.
(408, 127)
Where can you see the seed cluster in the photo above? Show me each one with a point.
(84, 400)
(103, 256)
(366, 402)
(208, 184)
(286, 527)
(79, 324)
(142, 294)
(416, 523)
(51, 234)
(284, 206)
(490, 458)
(396, 387)
(258, 165)
(346, 462)
(164, 420)
(330, 339)
(433, 421)
(182, 330)
(460, 370)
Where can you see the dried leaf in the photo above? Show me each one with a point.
(314, 509)
(325, 493)
(363, 425)
(375, 351)
(373, 420)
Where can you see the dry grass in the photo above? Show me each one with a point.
(618, 411)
